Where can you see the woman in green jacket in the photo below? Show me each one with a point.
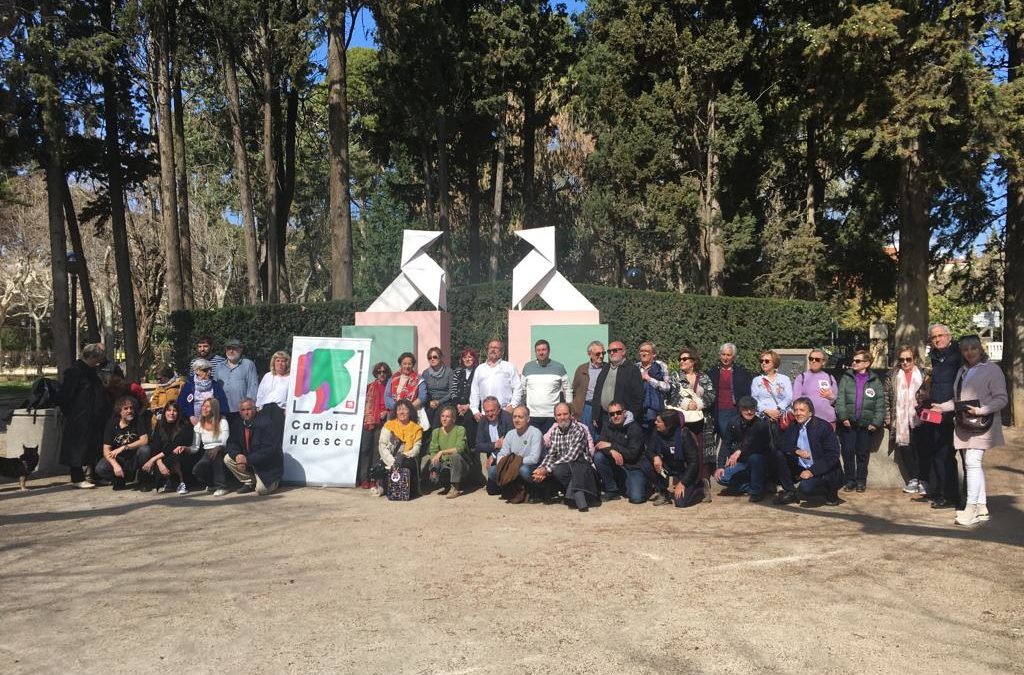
(860, 412)
(448, 453)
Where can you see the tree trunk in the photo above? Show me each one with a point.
(915, 234)
(75, 235)
(815, 186)
(252, 263)
(53, 138)
(338, 210)
(181, 176)
(499, 191)
(474, 220)
(271, 114)
(1013, 275)
(443, 192)
(529, 156)
(165, 135)
(711, 213)
(287, 193)
(428, 191)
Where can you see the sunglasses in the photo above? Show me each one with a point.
(380, 371)
(766, 361)
(905, 360)
(686, 358)
(617, 349)
(616, 413)
(859, 361)
(434, 356)
(816, 359)
(598, 353)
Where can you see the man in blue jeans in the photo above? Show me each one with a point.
(617, 456)
(747, 453)
(523, 440)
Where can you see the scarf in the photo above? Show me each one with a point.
(409, 391)
(374, 405)
(906, 405)
(203, 389)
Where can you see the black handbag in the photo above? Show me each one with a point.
(975, 424)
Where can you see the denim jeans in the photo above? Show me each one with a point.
(616, 477)
(588, 420)
(723, 420)
(746, 476)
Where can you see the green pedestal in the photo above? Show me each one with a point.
(388, 341)
(569, 343)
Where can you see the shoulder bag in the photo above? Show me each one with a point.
(786, 418)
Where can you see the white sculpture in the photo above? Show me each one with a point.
(420, 276)
(536, 275)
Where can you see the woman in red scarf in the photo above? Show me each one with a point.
(405, 384)
(373, 421)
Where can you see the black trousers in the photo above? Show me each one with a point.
(943, 456)
(210, 469)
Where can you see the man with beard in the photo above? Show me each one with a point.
(568, 461)
(238, 378)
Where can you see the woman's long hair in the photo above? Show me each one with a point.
(214, 417)
(168, 431)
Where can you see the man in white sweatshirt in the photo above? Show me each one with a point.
(545, 385)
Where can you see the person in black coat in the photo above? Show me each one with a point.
(85, 408)
(745, 458)
(737, 385)
(945, 361)
(170, 446)
(490, 432)
(254, 453)
(808, 451)
(619, 450)
(672, 452)
(628, 389)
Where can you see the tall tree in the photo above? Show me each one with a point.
(340, 209)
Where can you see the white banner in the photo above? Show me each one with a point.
(324, 418)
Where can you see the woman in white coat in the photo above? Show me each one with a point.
(980, 390)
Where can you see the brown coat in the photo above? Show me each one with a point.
(580, 382)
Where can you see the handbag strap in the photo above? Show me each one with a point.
(768, 386)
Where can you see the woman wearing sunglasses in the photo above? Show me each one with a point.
(772, 390)
(818, 385)
(860, 409)
(907, 387)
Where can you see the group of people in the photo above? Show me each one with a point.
(217, 428)
(638, 429)
(613, 428)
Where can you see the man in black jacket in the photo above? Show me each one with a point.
(945, 361)
(743, 459)
(808, 451)
(617, 456)
(620, 381)
(254, 455)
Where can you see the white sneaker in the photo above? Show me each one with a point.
(182, 489)
(981, 514)
(922, 488)
(219, 492)
(968, 516)
(83, 485)
(913, 485)
(375, 491)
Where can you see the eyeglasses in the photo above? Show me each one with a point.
(617, 349)
(616, 413)
(598, 354)
(686, 358)
(816, 359)
(380, 371)
(905, 360)
(434, 356)
(859, 361)
(766, 361)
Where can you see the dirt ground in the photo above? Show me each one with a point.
(336, 581)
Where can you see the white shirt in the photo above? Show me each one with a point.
(499, 380)
(273, 389)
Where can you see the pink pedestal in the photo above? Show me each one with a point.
(521, 323)
(433, 329)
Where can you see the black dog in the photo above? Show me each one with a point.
(21, 467)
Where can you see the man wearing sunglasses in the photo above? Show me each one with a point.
(819, 386)
(617, 457)
(619, 381)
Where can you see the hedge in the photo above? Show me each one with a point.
(479, 312)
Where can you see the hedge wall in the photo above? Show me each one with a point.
(479, 313)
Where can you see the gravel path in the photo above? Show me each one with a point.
(318, 580)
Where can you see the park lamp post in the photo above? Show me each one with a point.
(74, 269)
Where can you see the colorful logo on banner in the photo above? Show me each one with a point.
(325, 372)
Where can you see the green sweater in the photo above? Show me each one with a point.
(439, 440)
(872, 404)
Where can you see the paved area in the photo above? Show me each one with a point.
(332, 580)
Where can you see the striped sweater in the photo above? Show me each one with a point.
(544, 386)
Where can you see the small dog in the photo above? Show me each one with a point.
(21, 467)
